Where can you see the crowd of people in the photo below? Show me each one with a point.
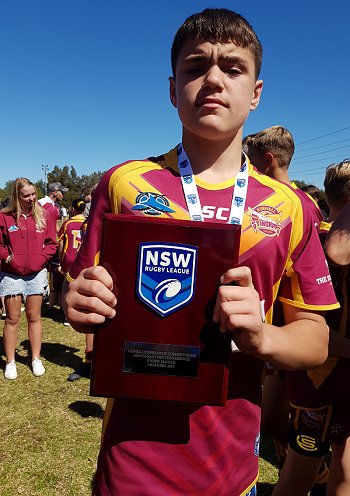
(285, 304)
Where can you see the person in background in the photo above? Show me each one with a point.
(320, 404)
(87, 197)
(69, 237)
(27, 242)
(315, 193)
(165, 447)
(85, 368)
(271, 151)
(50, 202)
(55, 194)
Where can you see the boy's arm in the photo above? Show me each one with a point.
(337, 243)
(301, 343)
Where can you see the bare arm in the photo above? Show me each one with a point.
(337, 243)
(301, 343)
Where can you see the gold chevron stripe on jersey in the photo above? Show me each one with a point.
(129, 179)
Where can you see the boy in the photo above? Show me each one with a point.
(69, 238)
(163, 448)
(320, 398)
(271, 151)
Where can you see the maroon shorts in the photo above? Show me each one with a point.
(319, 416)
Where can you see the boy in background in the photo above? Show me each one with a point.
(320, 406)
(271, 151)
(172, 448)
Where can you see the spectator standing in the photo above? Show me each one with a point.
(271, 151)
(320, 405)
(55, 194)
(27, 242)
(69, 237)
(85, 368)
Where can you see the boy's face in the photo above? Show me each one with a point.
(214, 89)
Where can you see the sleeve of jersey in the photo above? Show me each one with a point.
(62, 231)
(307, 283)
(89, 252)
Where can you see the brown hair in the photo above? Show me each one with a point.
(337, 184)
(14, 204)
(220, 25)
(276, 139)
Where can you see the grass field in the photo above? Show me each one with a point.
(50, 428)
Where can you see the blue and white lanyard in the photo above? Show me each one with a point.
(191, 192)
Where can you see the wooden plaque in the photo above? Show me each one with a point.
(162, 344)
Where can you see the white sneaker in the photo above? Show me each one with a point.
(37, 367)
(66, 323)
(10, 371)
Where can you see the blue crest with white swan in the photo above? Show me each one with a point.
(166, 275)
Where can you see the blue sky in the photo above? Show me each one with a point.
(84, 83)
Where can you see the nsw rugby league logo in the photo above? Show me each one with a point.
(166, 275)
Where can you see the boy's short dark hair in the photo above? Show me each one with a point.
(337, 184)
(220, 25)
(276, 139)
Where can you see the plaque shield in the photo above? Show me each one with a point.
(163, 344)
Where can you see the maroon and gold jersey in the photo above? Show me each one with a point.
(70, 235)
(185, 449)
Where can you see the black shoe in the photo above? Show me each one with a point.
(319, 489)
(83, 371)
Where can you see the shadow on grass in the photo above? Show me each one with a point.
(265, 489)
(87, 409)
(57, 353)
(267, 450)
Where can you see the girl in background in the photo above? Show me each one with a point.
(27, 242)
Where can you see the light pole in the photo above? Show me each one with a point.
(45, 168)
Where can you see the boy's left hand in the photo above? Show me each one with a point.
(237, 309)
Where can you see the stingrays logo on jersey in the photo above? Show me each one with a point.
(13, 228)
(152, 204)
(166, 275)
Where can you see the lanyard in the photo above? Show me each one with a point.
(191, 192)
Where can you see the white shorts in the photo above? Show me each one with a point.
(33, 284)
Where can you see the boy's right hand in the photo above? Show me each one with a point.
(89, 299)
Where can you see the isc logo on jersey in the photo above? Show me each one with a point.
(166, 276)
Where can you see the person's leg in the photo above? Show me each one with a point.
(35, 331)
(85, 368)
(13, 316)
(275, 414)
(339, 470)
(298, 474)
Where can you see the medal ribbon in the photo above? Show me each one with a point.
(191, 192)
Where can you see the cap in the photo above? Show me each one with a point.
(79, 204)
(57, 187)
